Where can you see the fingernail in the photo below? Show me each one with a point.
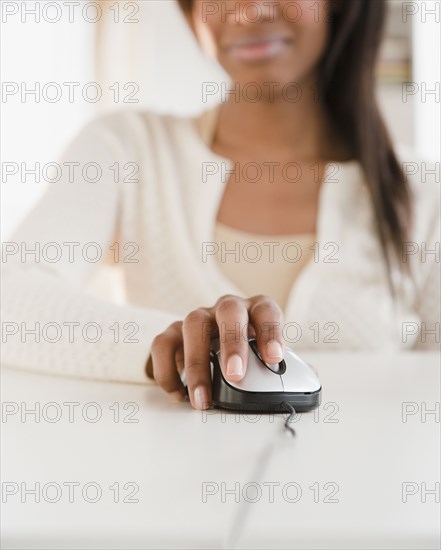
(201, 398)
(235, 366)
(274, 350)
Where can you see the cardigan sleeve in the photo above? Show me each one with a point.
(50, 323)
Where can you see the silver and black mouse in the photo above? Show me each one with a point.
(265, 387)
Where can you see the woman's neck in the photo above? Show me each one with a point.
(300, 128)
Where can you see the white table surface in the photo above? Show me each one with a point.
(357, 445)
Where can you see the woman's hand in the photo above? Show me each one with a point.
(186, 344)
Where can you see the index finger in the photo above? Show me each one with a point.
(232, 318)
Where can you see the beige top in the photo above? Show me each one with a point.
(262, 264)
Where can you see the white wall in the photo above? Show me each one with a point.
(426, 76)
(39, 52)
(161, 55)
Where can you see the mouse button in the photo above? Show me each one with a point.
(299, 377)
(257, 379)
(276, 368)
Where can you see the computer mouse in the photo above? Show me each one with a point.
(265, 387)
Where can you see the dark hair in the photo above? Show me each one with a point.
(347, 88)
(186, 5)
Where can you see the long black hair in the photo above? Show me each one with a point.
(347, 88)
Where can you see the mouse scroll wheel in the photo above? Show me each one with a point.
(277, 368)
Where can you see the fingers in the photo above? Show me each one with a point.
(164, 348)
(267, 319)
(197, 357)
(232, 319)
(185, 346)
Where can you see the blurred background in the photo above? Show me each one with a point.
(63, 63)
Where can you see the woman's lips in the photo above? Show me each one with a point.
(258, 49)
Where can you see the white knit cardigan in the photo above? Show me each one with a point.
(168, 209)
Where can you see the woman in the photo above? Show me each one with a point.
(337, 238)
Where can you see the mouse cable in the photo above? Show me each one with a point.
(290, 418)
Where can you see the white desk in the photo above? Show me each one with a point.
(358, 443)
